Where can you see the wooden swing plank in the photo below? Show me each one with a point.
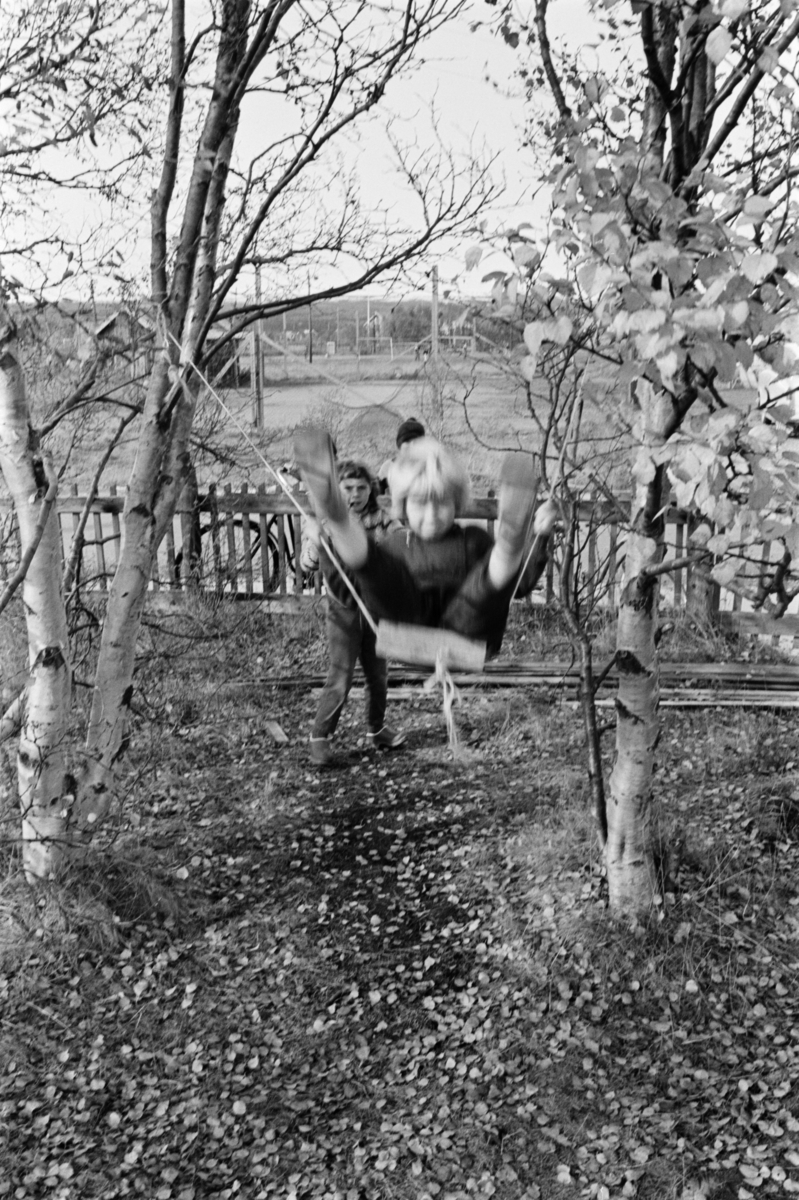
(420, 645)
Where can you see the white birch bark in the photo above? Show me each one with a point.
(632, 821)
(107, 732)
(41, 757)
(162, 459)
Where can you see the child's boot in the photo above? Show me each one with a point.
(517, 488)
(321, 752)
(315, 456)
(386, 738)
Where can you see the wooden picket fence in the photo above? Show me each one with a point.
(244, 544)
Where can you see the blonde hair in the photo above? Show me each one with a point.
(426, 469)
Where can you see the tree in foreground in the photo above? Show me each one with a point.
(259, 96)
(673, 238)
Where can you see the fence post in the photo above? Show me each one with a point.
(613, 543)
(230, 528)
(266, 565)
(246, 543)
(191, 533)
(73, 491)
(216, 548)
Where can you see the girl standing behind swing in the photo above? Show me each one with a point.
(436, 573)
(349, 637)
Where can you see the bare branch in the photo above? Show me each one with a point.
(546, 57)
(163, 195)
(12, 718)
(732, 118)
(674, 564)
(76, 548)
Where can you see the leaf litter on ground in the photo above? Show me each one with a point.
(399, 978)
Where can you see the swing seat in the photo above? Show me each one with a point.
(425, 647)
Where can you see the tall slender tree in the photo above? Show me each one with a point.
(673, 231)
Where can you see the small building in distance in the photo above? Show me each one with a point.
(126, 337)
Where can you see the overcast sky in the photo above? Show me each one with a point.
(471, 78)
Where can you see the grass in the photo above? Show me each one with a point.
(399, 978)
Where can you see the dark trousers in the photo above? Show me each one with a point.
(474, 608)
(349, 638)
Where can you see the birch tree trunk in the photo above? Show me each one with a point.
(163, 458)
(43, 788)
(632, 824)
(107, 733)
(699, 607)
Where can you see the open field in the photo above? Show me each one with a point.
(398, 979)
(483, 413)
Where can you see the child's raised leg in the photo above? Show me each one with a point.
(518, 484)
(314, 454)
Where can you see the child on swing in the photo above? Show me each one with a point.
(349, 637)
(436, 573)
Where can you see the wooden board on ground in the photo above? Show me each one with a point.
(669, 697)
(277, 733)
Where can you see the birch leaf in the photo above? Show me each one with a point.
(769, 61)
(718, 44)
(473, 256)
(525, 255)
(757, 208)
(725, 572)
(561, 331)
(533, 337)
(756, 267)
(527, 367)
(667, 365)
(732, 9)
(644, 468)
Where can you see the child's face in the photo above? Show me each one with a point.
(356, 492)
(429, 517)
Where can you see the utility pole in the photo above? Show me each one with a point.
(310, 322)
(257, 369)
(434, 359)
